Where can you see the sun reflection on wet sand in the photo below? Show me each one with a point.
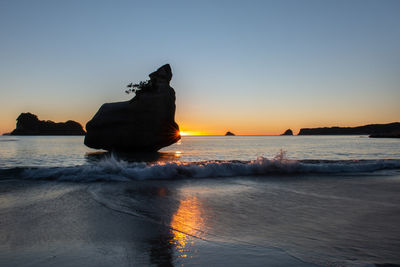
(187, 222)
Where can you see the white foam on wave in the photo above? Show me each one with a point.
(113, 169)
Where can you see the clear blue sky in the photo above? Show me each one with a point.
(252, 67)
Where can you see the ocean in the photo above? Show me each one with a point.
(204, 201)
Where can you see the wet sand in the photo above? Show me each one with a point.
(61, 224)
(241, 221)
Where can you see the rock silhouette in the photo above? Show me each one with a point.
(370, 129)
(145, 123)
(229, 134)
(288, 132)
(29, 124)
(395, 134)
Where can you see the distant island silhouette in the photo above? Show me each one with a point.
(288, 132)
(144, 123)
(229, 134)
(374, 130)
(29, 124)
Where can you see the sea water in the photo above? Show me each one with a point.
(66, 158)
(208, 200)
(69, 151)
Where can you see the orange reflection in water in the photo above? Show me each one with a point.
(187, 222)
(178, 154)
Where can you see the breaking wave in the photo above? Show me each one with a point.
(113, 169)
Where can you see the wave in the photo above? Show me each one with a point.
(113, 169)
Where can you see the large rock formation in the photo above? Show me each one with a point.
(229, 134)
(29, 124)
(145, 123)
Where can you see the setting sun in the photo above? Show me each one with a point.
(186, 133)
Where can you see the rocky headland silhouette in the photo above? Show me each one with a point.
(29, 124)
(229, 134)
(386, 135)
(144, 123)
(374, 130)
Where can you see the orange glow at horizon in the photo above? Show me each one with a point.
(215, 126)
(186, 133)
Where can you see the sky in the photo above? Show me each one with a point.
(250, 67)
